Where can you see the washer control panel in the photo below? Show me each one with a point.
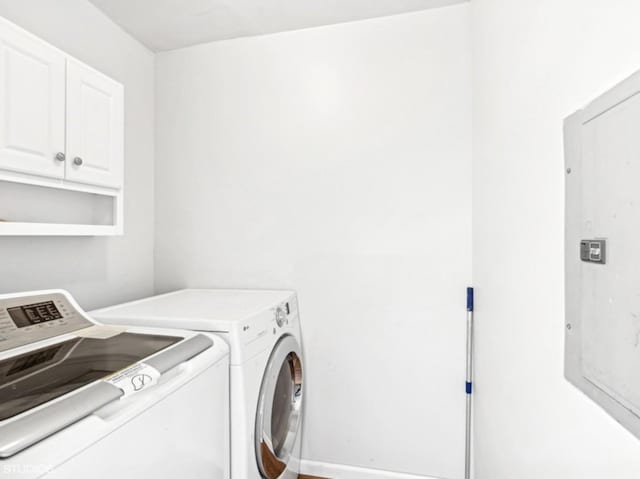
(28, 319)
(285, 312)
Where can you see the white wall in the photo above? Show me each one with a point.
(97, 271)
(536, 62)
(335, 161)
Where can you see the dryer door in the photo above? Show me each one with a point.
(279, 408)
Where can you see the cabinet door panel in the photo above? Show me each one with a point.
(32, 104)
(95, 126)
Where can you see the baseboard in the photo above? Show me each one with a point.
(339, 471)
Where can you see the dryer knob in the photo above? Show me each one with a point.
(281, 316)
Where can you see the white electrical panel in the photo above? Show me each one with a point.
(602, 252)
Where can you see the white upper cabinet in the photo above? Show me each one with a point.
(32, 104)
(95, 127)
(58, 117)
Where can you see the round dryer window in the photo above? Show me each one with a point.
(279, 408)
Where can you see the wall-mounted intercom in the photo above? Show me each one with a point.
(593, 251)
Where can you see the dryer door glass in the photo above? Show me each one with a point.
(279, 408)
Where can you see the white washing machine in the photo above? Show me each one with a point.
(263, 331)
(79, 399)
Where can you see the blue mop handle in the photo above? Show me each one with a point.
(469, 383)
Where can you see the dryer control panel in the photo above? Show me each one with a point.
(27, 319)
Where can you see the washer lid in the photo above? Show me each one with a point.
(46, 373)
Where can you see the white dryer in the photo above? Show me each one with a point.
(79, 399)
(266, 372)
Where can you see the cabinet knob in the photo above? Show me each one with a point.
(77, 161)
(60, 156)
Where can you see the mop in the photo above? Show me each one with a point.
(469, 382)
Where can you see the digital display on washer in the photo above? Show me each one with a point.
(36, 313)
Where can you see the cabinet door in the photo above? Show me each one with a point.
(95, 127)
(32, 104)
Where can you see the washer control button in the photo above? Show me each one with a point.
(281, 316)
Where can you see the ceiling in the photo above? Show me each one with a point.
(170, 24)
